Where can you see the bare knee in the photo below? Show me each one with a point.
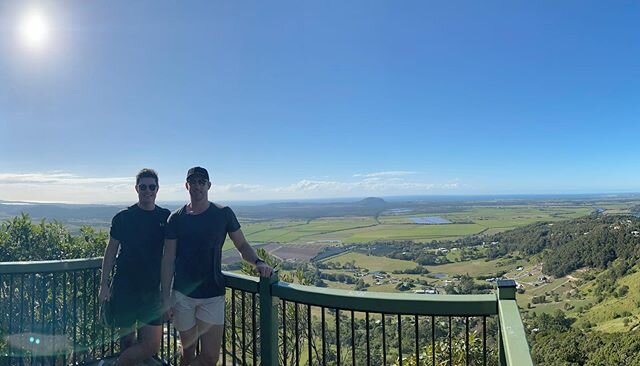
(188, 355)
(151, 345)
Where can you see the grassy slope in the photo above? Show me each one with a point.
(373, 263)
(607, 314)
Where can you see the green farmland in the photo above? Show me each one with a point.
(361, 229)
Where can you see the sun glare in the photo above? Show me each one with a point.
(34, 29)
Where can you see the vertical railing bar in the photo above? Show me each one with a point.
(233, 326)
(22, 310)
(43, 305)
(324, 340)
(21, 328)
(450, 346)
(176, 354)
(54, 319)
(94, 294)
(467, 339)
(433, 340)
(44, 328)
(309, 334)
(353, 340)
(416, 320)
(484, 340)
(400, 339)
(75, 315)
(170, 351)
(32, 311)
(112, 341)
(102, 329)
(224, 343)
(367, 337)
(162, 337)
(64, 312)
(253, 330)
(384, 341)
(297, 333)
(10, 311)
(338, 336)
(84, 323)
(3, 302)
(284, 332)
(244, 330)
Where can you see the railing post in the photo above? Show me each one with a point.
(268, 322)
(506, 291)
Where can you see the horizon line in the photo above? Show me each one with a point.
(346, 198)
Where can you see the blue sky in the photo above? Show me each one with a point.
(289, 99)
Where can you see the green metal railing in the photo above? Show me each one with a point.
(49, 315)
(514, 349)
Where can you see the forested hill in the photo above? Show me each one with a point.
(592, 241)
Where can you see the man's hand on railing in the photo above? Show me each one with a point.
(168, 315)
(264, 270)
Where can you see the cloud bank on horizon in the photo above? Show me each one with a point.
(60, 186)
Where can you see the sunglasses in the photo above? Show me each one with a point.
(143, 187)
(197, 181)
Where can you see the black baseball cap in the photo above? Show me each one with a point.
(197, 170)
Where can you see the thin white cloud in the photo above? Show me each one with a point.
(58, 177)
(59, 186)
(367, 186)
(238, 188)
(393, 173)
(67, 187)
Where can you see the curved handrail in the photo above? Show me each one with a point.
(49, 266)
(241, 282)
(391, 303)
(443, 305)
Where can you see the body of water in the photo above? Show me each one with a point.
(430, 220)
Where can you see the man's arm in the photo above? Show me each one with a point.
(248, 254)
(167, 269)
(107, 265)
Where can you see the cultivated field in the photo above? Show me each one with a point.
(362, 229)
(372, 263)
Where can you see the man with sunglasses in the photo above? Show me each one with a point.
(137, 237)
(193, 253)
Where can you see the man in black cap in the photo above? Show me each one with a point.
(195, 235)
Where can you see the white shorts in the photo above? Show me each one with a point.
(188, 309)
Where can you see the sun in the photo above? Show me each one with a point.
(34, 29)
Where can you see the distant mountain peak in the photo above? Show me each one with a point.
(372, 201)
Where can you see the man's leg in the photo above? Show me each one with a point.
(189, 340)
(210, 342)
(149, 337)
(184, 319)
(123, 319)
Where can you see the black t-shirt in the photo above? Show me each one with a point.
(199, 244)
(141, 237)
